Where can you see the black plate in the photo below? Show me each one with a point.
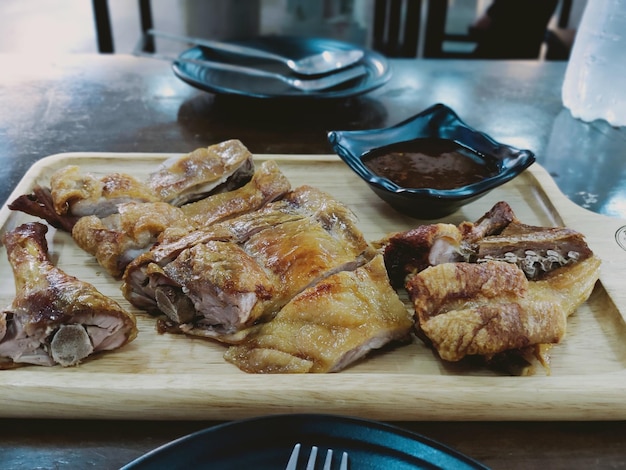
(437, 122)
(267, 442)
(233, 83)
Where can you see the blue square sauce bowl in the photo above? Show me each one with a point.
(431, 164)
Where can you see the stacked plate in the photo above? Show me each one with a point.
(377, 69)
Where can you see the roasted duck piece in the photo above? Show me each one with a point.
(536, 250)
(80, 194)
(327, 326)
(495, 288)
(498, 235)
(220, 167)
(119, 238)
(491, 307)
(267, 184)
(72, 195)
(414, 250)
(220, 281)
(39, 204)
(54, 318)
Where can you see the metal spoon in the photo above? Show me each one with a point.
(316, 64)
(303, 84)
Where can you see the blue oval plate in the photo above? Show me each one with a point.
(267, 442)
(233, 83)
(439, 122)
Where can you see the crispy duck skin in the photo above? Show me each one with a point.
(80, 194)
(497, 235)
(141, 274)
(55, 318)
(119, 238)
(72, 195)
(328, 326)
(219, 281)
(488, 308)
(414, 250)
(536, 250)
(219, 167)
(39, 204)
(267, 184)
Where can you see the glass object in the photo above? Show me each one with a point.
(593, 85)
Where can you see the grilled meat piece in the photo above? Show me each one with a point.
(493, 222)
(268, 184)
(488, 308)
(243, 270)
(119, 238)
(303, 202)
(495, 288)
(39, 204)
(497, 235)
(54, 318)
(328, 326)
(414, 250)
(220, 167)
(72, 195)
(536, 250)
(80, 194)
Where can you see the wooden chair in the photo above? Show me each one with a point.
(560, 39)
(104, 33)
(397, 23)
(396, 27)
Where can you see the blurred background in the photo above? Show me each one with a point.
(68, 26)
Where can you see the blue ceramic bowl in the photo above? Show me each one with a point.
(436, 122)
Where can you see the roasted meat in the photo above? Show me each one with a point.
(72, 194)
(220, 167)
(39, 204)
(536, 250)
(491, 307)
(492, 222)
(414, 250)
(267, 184)
(497, 235)
(495, 288)
(79, 195)
(54, 318)
(119, 238)
(222, 280)
(327, 326)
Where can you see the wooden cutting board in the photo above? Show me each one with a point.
(176, 377)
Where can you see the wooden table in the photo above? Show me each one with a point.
(117, 103)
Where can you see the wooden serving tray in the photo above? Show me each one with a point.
(177, 377)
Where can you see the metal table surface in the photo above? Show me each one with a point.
(119, 103)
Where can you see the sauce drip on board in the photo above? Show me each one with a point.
(429, 163)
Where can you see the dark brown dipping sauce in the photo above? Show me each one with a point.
(429, 163)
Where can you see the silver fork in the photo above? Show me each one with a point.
(295, 453)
